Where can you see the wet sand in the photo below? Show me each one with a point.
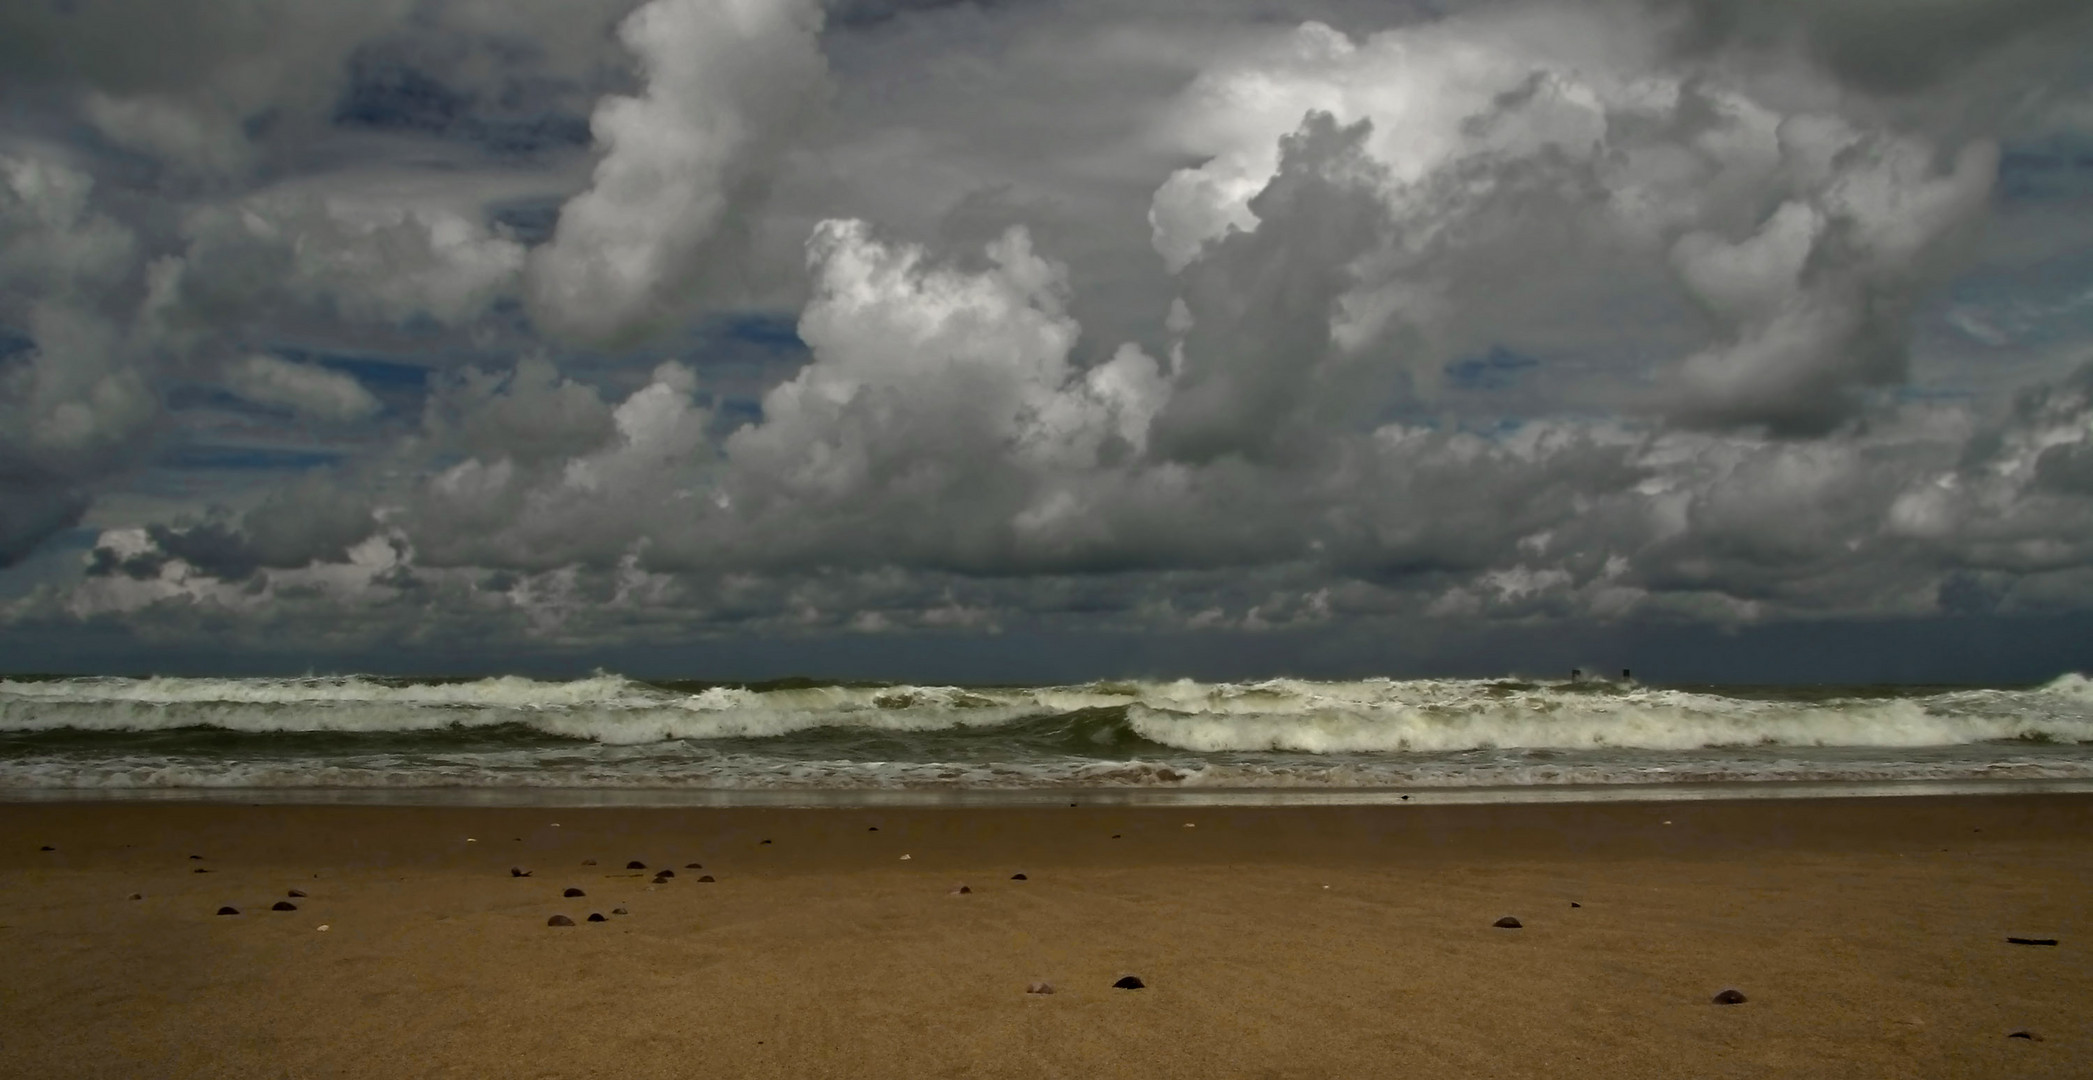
(1869, 936)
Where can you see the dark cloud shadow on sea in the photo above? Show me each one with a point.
(1956, 650)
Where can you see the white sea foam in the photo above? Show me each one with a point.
(755, 773)
(1282, 715)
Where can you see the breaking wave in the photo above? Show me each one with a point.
(1375, 716)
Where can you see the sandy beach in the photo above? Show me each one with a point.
(1868, 935)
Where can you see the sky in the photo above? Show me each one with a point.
(1032, 340)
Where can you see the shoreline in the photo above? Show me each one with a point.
(988, 798)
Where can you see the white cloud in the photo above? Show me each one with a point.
(1501, 147)
(728, 85)
(308, 389)
(359, 256)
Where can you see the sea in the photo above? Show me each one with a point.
(612, 740)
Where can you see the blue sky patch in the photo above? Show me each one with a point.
(1493, 370)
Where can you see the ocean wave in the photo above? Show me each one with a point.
(1280, 715)
(740, 773)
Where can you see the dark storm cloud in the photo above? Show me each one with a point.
(1885, 47)
(780, 320)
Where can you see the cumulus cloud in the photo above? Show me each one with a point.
(307, 389)
(1515, 316)
(352, 256)
(934, 387)
(190, 82)
(76, 400)
(1498, 147)
(728, 84)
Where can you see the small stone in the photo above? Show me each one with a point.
(1574, 903)
(199, 870)
(1039, 988)
(322, 928)
(192, 856)
(559, 920)
(517, 871)
(658, 874)
(283, 905)
(961, 891)
(1019, 877)
(763, 841)
(47, 847)
(1115, 836)
(228, 911)
(1406, 798)
(1730, 997)
(1189, 825)
(875, 828)
(570, 893)
(693, 866)
(704, 878)
(1507, 923)
(2025, 1034)
(620, 910)
(660, 880)
(905, 858)
(597, 916)
(588, 862)
(2032, 940)
(137, 896)
(297, 893)
(635, 865)
(1130, 982)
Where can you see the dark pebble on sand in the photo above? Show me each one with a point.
(664, 874)
(869, 828)
(597, 916)
(199, 870)
(137, 896)
(763, 841)
(47, 847)
(283, 905)
(517, 871)
(1730, 997)
(1574, 903)
(961, 891)
(1507, 923)
(196, 856)
(298, 893)
(2028, 1035)
(1115, 836)
(228, 911)
(2032, 940)
(1019, 877)
(620, 910)
(705, 877)
(559, 920)
(588, 862)
(573, 893)
(1131, 982)
(635, 865)
(693, 866)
